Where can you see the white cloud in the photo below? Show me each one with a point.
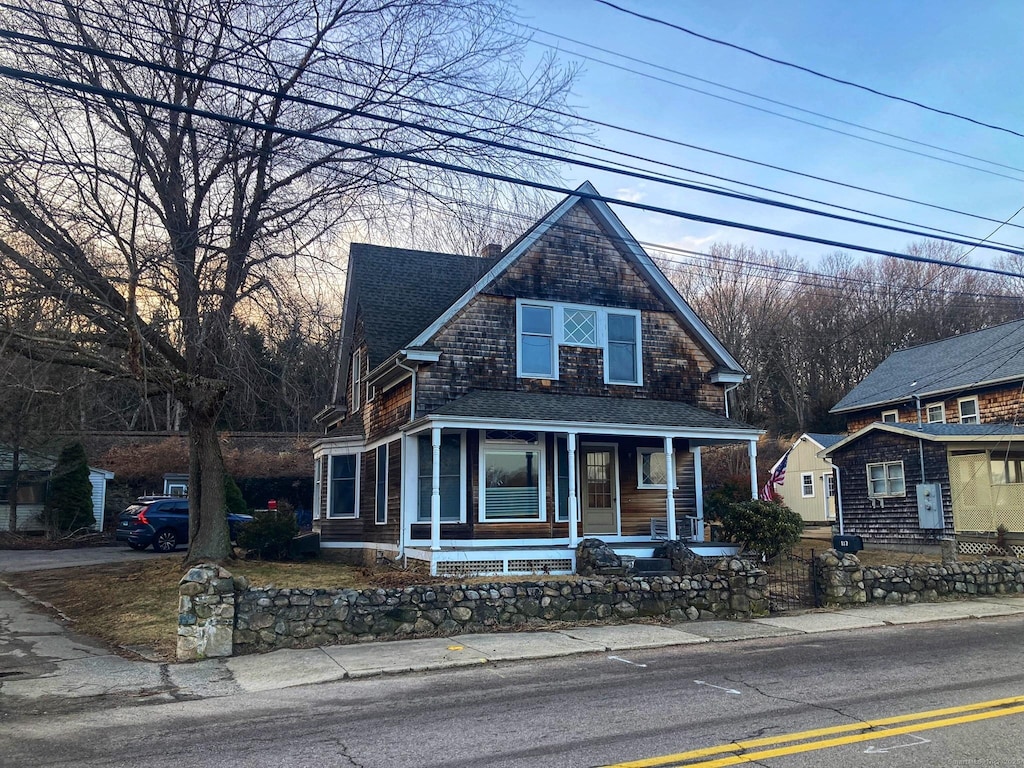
(630, 194)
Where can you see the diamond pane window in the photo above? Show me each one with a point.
(579, 326)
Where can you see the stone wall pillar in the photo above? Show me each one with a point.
(206, 613)
(841, 578)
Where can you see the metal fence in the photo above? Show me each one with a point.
(792, 583)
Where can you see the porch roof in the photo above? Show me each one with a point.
(605, 413)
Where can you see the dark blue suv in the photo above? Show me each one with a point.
(162, 521)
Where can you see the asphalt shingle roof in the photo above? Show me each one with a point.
(958, 363)
(534, 406)
(966, 430)
(402, 291)
(825, 440)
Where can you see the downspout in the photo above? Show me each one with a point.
(726, 393)
(403, 511)
(839, 499)
(920, 440)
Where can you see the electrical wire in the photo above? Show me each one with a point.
(808, 70)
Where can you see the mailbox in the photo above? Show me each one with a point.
(852, 544)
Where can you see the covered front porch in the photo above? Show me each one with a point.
(498, 492)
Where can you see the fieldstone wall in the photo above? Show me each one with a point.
(845, 581)
(206, 613)
(268, 618)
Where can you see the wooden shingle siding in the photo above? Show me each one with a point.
(1000, 404)
(478, 345)
(388, 411)
(897, 521)
(639, 505)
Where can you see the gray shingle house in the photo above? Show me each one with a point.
(490, 411)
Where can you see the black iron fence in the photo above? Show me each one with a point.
(793, 582)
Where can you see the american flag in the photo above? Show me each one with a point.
(777, 477)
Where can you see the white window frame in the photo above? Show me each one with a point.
(558, 310)
(377, 484)
(357, 379)
(895, 417)
(976, 416)
(508, 446)
(553, 308)
(414, 450)
(928, 413)
(640, 484)
(330, 486)
(804, 477)
(887, 494)
(317, 479)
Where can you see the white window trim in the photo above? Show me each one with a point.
(977, 409)
(803, 485)
(640, 484)
(541, 478)
(330, 486)
(376, 490)
(554, 339)
(554, 477)
(317, 479)
(558, 338)
(894, 414)
(357, 379)
(415, 458)
(867, 472)
(928, 415)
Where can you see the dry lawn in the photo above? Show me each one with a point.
(136, 604)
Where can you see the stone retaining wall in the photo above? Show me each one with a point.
(266, 618)
(844, 581)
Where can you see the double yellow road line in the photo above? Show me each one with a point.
(748, 751)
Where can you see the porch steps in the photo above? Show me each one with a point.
(652, 566)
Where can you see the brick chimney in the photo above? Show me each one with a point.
(491, 251)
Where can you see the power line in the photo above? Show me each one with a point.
(772, 112)
(544, 155)
(808, 70)
(24, 75)
(550, 110)
(751, 94)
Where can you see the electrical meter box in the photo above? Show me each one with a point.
(929, 506)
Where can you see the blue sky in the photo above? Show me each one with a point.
(963, 57)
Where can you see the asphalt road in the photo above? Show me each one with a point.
(598, 710)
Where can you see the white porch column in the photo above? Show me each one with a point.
(752, 453)
(574, 505)
(670, 481)
(698, 482)
(435, 492)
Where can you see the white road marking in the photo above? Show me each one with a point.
(872, 750)
(727, 690)
(626, 661)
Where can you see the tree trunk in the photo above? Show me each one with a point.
(209, 539)
(12, 492)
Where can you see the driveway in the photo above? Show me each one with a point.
(20, 560)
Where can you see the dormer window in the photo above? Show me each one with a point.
(357, 379)
(544, 327)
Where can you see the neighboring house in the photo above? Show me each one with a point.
(809, 485)
(935, 451)
(176, 484)
(33, 484)
(491, 411)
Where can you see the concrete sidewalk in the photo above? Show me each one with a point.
(44, 664)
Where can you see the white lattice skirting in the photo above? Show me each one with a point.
(984, 548)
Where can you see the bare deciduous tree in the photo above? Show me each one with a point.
(158, 228)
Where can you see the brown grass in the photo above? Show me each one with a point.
(136, 604)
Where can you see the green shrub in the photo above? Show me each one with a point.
(69, 503)
(270, 534)
(717, 501)
(767, 527)
(233, 498)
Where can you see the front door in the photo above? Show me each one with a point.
(600, 509)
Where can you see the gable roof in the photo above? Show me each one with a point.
(959, 363)
(628, 246)
(823, 439)
(939, 433)
(400, 291)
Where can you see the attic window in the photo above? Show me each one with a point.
(936, 413)
(969, 410)
(543, 327)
